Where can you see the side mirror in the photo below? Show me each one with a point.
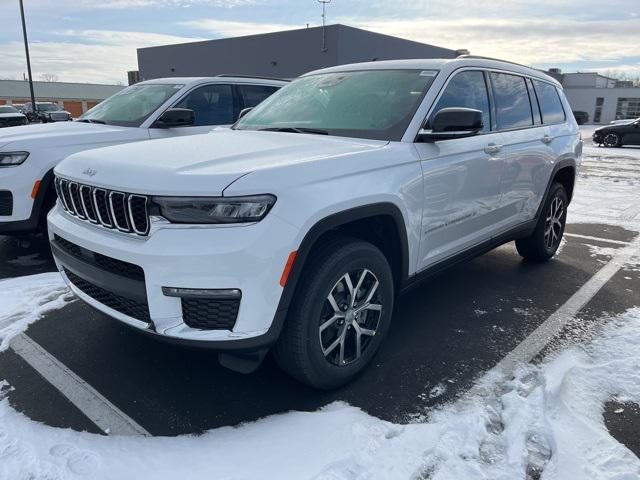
(451, 123)
(244, 111)
(175, 117)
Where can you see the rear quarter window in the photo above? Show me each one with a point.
(550, 103)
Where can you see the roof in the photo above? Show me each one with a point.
(439, 64)
(216, 79)
(57, 90)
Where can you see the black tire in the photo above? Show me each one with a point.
(538, 246)
(612, 140)
(300, 351)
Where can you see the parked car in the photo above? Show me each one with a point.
(581, 117)
(154, 109)
(296, 229)
(11, 117)
(47, 112)
(623, 121)
(618, 135)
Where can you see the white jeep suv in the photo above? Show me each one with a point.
(296, 229)
(154, 109)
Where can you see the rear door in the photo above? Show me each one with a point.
(461, 176)
(525, 149)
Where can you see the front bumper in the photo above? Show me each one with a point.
(247, 258)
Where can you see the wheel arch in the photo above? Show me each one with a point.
(564, 172)
(355, 222)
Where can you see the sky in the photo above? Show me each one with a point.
(95, 41)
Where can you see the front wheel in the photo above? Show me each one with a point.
(340, 314)
(543, 244)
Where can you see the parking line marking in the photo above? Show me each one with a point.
(109, 418)
(597, 239)
(553, 325)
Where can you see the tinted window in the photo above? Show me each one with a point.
(211, 104)
(513, 109)
(468, 90)
(254, 94)
(376, 104)
(550, 103)
(8, 109)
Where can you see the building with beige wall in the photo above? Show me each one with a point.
(76, 98)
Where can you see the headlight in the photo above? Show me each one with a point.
(214, 209)
(11, 159)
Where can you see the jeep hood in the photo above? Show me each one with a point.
(51, 135)
(201, 164)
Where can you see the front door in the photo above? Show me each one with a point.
(461, 177)
(213, 105)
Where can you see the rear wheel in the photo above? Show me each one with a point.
(612, 140)
(545, 240)
(341, 313)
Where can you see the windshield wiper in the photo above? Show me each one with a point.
(91, 120)
(294, 130)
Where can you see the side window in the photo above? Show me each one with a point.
(254, 94)
(469, 90)
(550, 104)
(211, 104)
(537, 116)
(513, 109)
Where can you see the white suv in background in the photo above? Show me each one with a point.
(295, 229)
(159, 108)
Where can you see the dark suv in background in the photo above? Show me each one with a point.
(47, 112)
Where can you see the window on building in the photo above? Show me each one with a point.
(597, 115)
(627, 108)
(211, 104)
(513, 109)
(550, 103)
(468, 90)
(252, 95)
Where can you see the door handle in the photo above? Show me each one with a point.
(492, 148)
(547, 139)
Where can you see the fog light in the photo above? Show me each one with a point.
(220, 293)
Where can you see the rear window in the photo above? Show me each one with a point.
(513, 109)
(550, 104)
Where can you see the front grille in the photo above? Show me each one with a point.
(126, 306)
(126, 212)
(210, 314)
(112, 265)
(6, 203)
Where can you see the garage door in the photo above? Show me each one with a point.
(74, 108)
(92, 104)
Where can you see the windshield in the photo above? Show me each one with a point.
(375, 104)
(48, 107)
(132, 106)
(8, 109)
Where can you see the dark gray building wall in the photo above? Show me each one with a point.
(285, 54)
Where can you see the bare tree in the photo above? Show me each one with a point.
(49, 77)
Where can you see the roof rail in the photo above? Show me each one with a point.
(480, 57)
(258, 77)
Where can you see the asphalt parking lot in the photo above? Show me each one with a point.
(446, 332)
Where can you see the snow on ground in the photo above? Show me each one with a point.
(547, 419)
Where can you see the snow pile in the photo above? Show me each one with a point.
(548, 419)
(24, 300)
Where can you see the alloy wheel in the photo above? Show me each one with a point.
(350, 317)
(553, 224)
(611, 140)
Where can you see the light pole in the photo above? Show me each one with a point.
(26, 51)
(324, 23)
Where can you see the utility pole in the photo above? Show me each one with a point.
(324, 23)
(26, 51)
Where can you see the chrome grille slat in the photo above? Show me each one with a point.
(126, 212)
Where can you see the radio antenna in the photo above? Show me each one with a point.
(324, 23)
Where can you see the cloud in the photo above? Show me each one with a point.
(226, 28)
(130, 4)
(94, 56)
